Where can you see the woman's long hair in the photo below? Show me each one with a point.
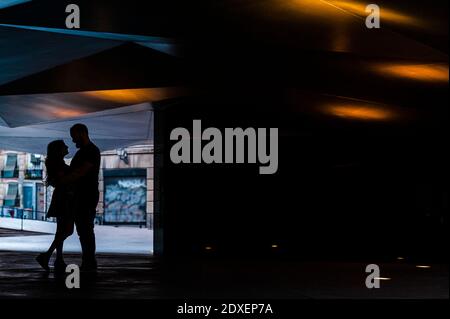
(54, 160)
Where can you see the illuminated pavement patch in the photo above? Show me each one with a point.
(109, 239)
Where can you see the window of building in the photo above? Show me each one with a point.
(10, 170)
(35, 161)
(12, 195)
(34, 169)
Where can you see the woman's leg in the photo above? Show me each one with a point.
(66, 227)
(59, 236)
(44, 258)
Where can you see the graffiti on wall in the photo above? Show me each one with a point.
(125, 199)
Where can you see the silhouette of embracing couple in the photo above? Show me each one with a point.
(75, 197)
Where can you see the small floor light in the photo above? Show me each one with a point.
(423, 266)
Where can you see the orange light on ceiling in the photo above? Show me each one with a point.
(419, 72)
(338, 10)
(134, 96)
(55, 110)
(66, 113)
(359, 8)
(361, 112)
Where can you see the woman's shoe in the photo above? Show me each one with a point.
(43, 260)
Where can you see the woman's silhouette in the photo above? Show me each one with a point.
(61, 205)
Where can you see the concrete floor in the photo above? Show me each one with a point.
(145, 277)
(14, 233)
(39, 235)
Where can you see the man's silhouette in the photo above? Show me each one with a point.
(84, 170)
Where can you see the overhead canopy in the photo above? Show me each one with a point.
(110, 129)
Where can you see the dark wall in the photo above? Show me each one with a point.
(342, 190)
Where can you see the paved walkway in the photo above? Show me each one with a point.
(17, 233)
(145, 277)
(109, 239)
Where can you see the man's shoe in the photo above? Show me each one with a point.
(60, 265)
(43, 260)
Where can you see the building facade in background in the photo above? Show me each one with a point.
(125, 184)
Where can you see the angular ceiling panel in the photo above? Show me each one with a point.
(9, 3)
(165, 45)
(25, 52)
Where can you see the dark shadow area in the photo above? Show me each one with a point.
(342, 190)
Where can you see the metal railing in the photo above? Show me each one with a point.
(118, 219)
(23, 213)
(33, 174)
(30, 214)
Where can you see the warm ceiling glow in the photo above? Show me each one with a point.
(386, 14)
(363, 112)
(208, 248)
(54, 110)
(418, 72)
(341, 42)
(75, 104)
(134, 96)
(274, 246)
(310, 8)
(423, 266)
(336, 9)
(65, 113)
